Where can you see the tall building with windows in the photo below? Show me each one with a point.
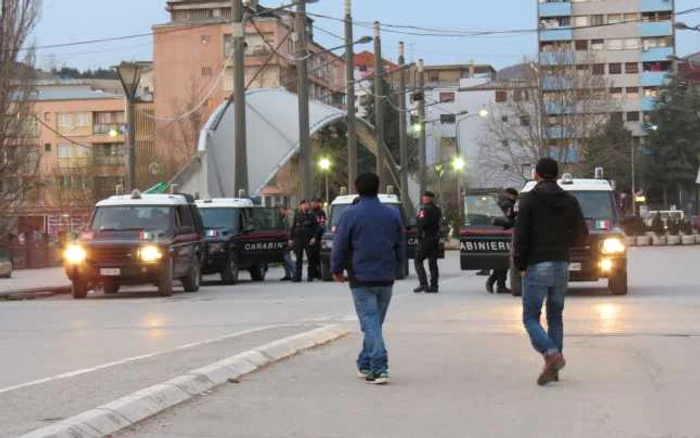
(631, 43)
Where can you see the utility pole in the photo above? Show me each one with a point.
(303, 95)
(238, 35)
(423, 171)
(633, 178)
(379, 104)
(350, 93)
(403, 139)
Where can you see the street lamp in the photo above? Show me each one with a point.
(458, 164)
(325, 165)
(129, 74)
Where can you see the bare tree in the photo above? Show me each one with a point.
(548, 111)
(18, 126)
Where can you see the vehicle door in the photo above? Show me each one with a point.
(482, 244)
(186, 242)
(266, 239)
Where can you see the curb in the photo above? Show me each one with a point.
(34, 293)
(131, 409)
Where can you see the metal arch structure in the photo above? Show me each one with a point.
(272, 139)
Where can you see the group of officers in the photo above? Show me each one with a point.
(306, 226)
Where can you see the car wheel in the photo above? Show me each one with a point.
(257, 272)
(165, 285)
(191, 283)
(618, 283)
(516, 282)
(111, 287)
(326, 274)
(79, 288)
(229, 275)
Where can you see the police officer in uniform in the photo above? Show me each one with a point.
(507, 203)
(303, 238)
(429, 218)
(315, 255)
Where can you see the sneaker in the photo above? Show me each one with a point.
(420, 289)
(378, 378)
(553, 363)
(362, 374)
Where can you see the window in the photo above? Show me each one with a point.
(614, 18)
(501, 96)
(651, 92)
(583, 67)
(615, 44)
(82, 120)
(447, 97)
(47, 147)
(71, 156)
(631, 67)
(632, 92)
(206, 71)
(581, 44)
(650, 43)
(598, 44)
(631, 17)
(47, 116)
(616, 93)
(598, 69)
(632, 44)
(520, 95)
(633, 116)
(109, 154)
(65, 120)
(449, 119)
(615, 68)
(525, 121)
(504, 119)
(616, 117)
(206, 39)
(581, 21)
(597, 20)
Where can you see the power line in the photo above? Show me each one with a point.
(68, 139)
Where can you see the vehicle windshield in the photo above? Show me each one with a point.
(338, 210)
(132, 218)
(220, 218)
(481, 209)
(596, 205)
(265, 218)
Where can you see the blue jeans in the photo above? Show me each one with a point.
(548, 280)
(289, 265)
(371, 304)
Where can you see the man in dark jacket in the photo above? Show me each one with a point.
(549, 223)
(303, 237)
(429, 218)
(507, 204)
(315, 255)
(368, 244)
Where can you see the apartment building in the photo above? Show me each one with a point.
(77, 149)
(628, 42)
(192, 62)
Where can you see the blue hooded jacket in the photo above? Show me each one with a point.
(368, 243)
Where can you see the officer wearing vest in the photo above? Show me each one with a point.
(429, 218)
(321, 219)
(303, 237)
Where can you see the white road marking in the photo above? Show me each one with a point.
(140, 357)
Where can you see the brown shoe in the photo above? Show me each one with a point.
(553, 363)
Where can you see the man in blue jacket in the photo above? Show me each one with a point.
(368, 244)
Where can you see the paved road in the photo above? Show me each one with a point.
(63, 356)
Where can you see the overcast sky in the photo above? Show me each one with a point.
(65, 21)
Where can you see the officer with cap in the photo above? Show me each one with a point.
(302, 237)
(429, 218)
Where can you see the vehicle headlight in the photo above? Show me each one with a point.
(150, 254)
(75, 254)
(613, 245)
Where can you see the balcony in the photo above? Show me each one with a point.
(657, 54)
(563, 34)
(555, 9)
(648, 104)
(105, 129)
(557, 57)
(557, 108)
(657, 29)
(656, 5)
(558, 132)
(654, 78)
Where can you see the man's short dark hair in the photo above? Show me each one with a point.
(319, 200)
(429, 194)
(512, 191)
(303, 201)
(367, 184)
(547, 168)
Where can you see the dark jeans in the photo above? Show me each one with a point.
(371, 305)
(315, 259)
(289, 265)
(499, 276)
(545, 281)
(301, 246)
(428, 249)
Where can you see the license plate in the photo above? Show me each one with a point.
(575, 267)
(110, 272)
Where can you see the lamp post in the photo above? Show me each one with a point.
(129, 74)
(325, 165)
(458, 164)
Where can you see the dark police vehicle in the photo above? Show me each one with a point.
(482, 244)
(604, 256)
(138, 239)
(241, 236)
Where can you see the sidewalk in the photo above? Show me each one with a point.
(34, 280)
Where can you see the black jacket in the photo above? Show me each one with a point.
(429, 218)
(549, 223)
(508, 207)
(305, 226)
(321, 220)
